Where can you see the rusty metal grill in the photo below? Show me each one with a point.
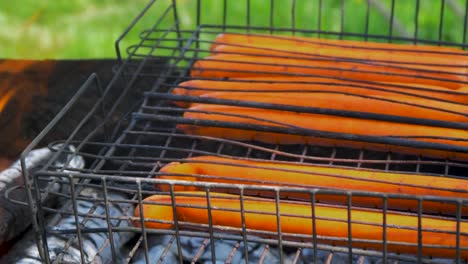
(130, 141)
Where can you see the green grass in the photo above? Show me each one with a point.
(88, 28)
(64, 29)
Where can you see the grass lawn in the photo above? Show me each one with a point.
(88, 28)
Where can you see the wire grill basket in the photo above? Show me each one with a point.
(126, 142)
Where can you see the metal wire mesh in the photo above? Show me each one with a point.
(134, 140)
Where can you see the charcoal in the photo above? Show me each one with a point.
(25, 251)
(16, 218)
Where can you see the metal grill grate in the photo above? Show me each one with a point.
(135, 139)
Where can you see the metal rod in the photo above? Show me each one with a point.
(77, 221)
(311, 110)
(210, 225)
(244, 227)
(441, 21)
(458, 228)
(314, 226)
(142, 222)
(108, 220)
(176, 224)
(350, 228)
(384, 229)
(278, 226)
(420, 235)
(308, 132)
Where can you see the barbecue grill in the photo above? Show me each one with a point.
(125, 143)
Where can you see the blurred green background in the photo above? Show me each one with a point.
(88, 28)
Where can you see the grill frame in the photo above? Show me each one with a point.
(136, 70)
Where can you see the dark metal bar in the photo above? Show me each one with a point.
(272, 15)
(338, 176)
(441, 21)
(392, 17)
(198, 13)
(248, 18)
(142, 221)
(293, 17)
(244, 228)
(458, 228)
(350, 228)
(416, 22)
(198, 19)
(210, 224)
(314, 226)
(342, 23)
(278, 226)
(305, 56)
(180, 43)
(129, 28)
(108, 220)
(422, 73)
(319, 17)
(312, 41)
(224, 14)
(401, 141)
(366, 31)
(176, 224)
(347, 34)
(313, 110)
(420, 235)
(212, 185)
(77, 221)
(295, 240)
(465, 23)
(384, 229)
(239, 144)
(40, 234)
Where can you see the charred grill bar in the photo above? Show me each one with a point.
(126, 139)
